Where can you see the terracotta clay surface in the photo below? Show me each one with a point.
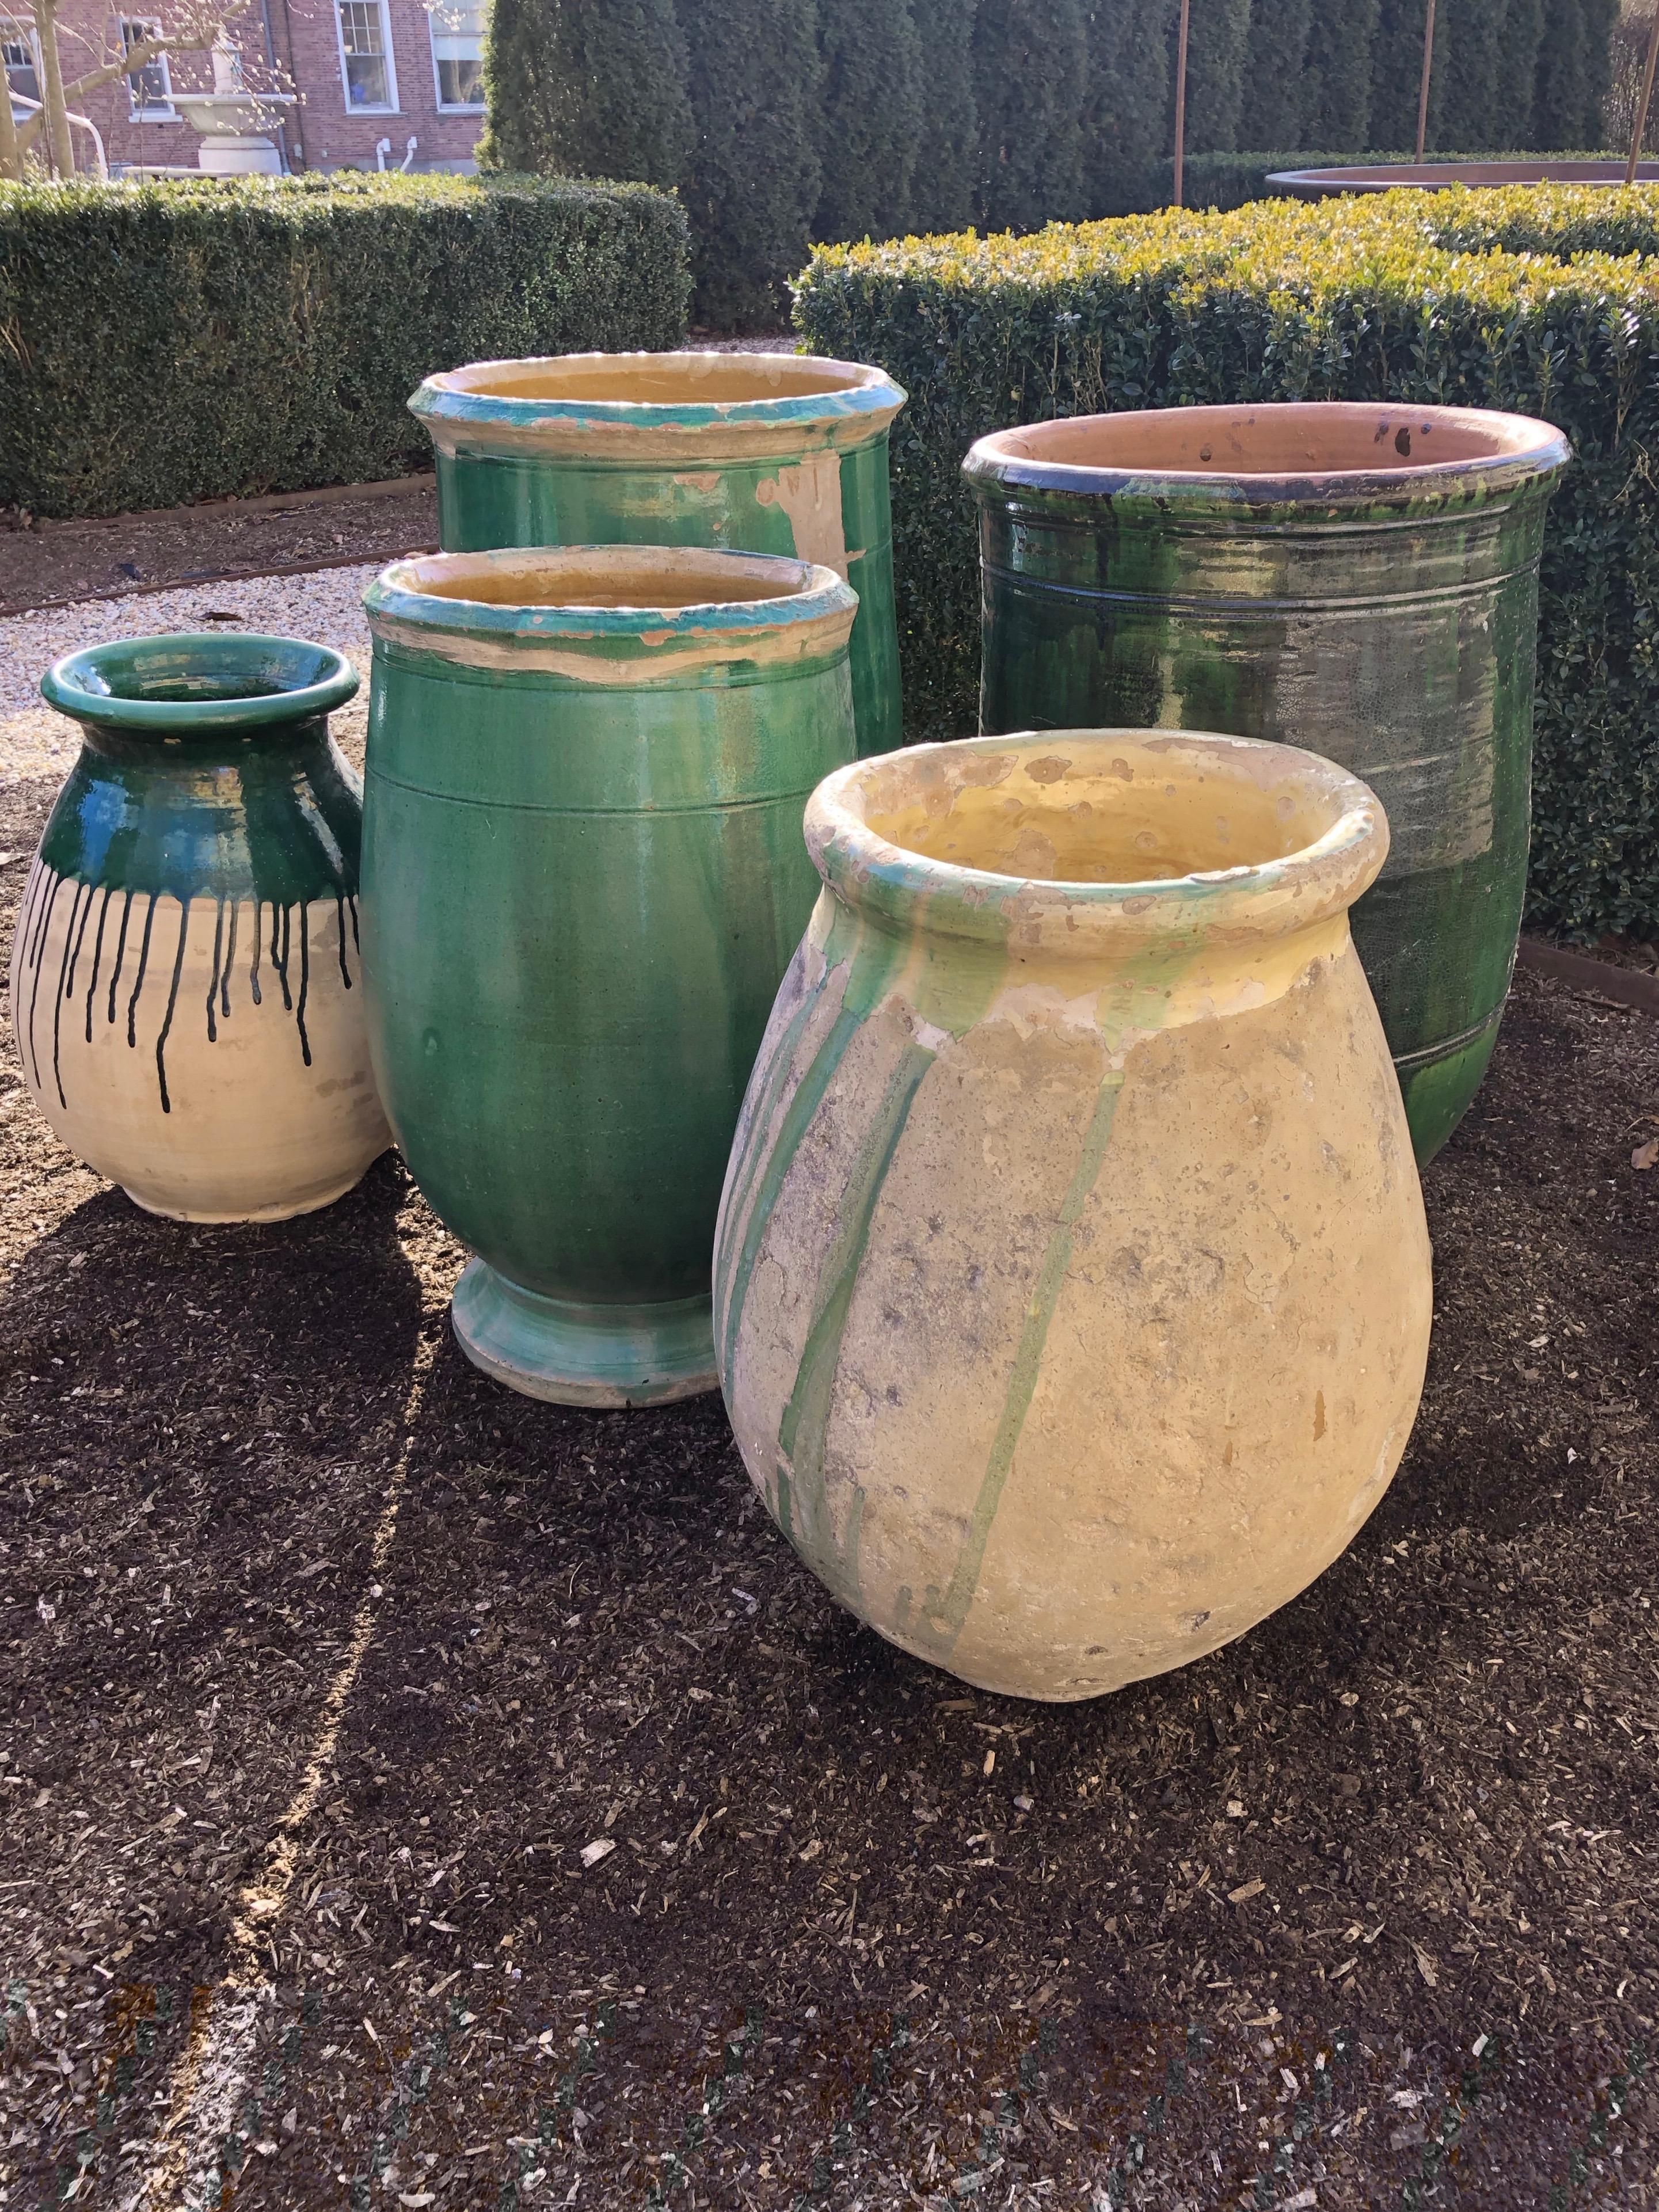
(1072, 1282)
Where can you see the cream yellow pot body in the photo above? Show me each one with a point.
(1072, 1281)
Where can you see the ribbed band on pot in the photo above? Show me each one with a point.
(200, 683)
(612, 614)
(1054, 772)
(622, 409)
(1309, 456)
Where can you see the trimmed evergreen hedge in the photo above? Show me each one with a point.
(181, 341)
(1541, 301)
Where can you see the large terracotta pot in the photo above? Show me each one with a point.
(184, 975)
(1359, 580)
(761, 452)
(1072, 1282)
(583, 876)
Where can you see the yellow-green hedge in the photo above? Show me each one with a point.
(1544, 302)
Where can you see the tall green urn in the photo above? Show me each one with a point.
(583, 879)
(1360, 581)
(759, 452)
(185, 976)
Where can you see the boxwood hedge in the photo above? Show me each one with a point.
(182, 341)
(1545, 302)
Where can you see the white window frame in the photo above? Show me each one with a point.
(21, 27)
(140, 110)
(391, 61)
(452, 106)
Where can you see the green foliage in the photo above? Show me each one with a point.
(1030, 66)
(1126, 120)
(947, 141)
(1337, 96)
(587, 88)
(1217, 44)
(1574, 64)
(1540, 301)
(1397, 74)
(752, 187)
(869, 117)
(1272, 110)
(180, 341)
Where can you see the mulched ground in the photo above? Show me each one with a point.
(1363, 1906)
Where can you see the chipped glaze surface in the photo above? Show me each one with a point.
(1072, 1280)
(583, 876)
(774, 453)
(1361, 579)
(185, 969)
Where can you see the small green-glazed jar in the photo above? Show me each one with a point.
(584, 877)
(185, 969)
(762, 452)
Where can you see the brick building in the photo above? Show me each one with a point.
(366, 71)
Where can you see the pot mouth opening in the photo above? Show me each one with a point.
(185, 681)
(660, 379)
(1160, 831)
(621, 578)
(1283, 442)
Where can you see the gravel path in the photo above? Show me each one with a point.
(326, 606)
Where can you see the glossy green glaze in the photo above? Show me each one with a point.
(584, 877)
(757, 452)
(1358, 581)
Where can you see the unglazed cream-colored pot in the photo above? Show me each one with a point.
(1072, 1281)
(185, 977)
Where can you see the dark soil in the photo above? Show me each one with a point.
(52, 562)
(1364, 1904)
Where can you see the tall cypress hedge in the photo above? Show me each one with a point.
(1030, 65)
(751, 189)
(1574, 58)
(1397, 72)
(1128, 98)
(869, 117)
(1274, 110)
(1337, 71)
(942, 184)
(587, 88)
(1217, 44)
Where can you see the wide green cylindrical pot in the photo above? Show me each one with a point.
(185, 975)
(583, 878)
(763, 453)
(1361, 580)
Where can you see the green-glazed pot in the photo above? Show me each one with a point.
(184, 975)
(583, 878)
(758, 452)
(1360, 581)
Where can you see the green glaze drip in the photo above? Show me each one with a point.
(943, 1619)
(804, 1427)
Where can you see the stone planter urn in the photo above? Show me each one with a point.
(1360, 580)
(583, 877)
(232, 123)
(185, 975)
(763, 453)
(1072, 1281)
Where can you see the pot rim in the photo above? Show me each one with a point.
(455, 411)
(1066, 919)
(812, 610)
(69, 683)
(1523, 449)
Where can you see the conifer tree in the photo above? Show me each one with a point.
(1471, 114)
(751, 187)
(1397, 74)
(1273, 108)
(587, 88)
(869, 117)
(1574, 61)
(1217, 39)
(1031, 80)
(1336, 111)
(1126, 115)
(947, 141)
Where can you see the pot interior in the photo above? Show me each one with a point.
(674, 379)
(1089, 814)
(211, 669)
(1323, 438)
(607, 576)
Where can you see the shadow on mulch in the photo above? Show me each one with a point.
(647, 1873)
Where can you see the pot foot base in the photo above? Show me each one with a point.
(584, 1355)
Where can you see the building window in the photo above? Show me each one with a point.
(371, 86)
(22, 77)
(149, 89)
(458, 52)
